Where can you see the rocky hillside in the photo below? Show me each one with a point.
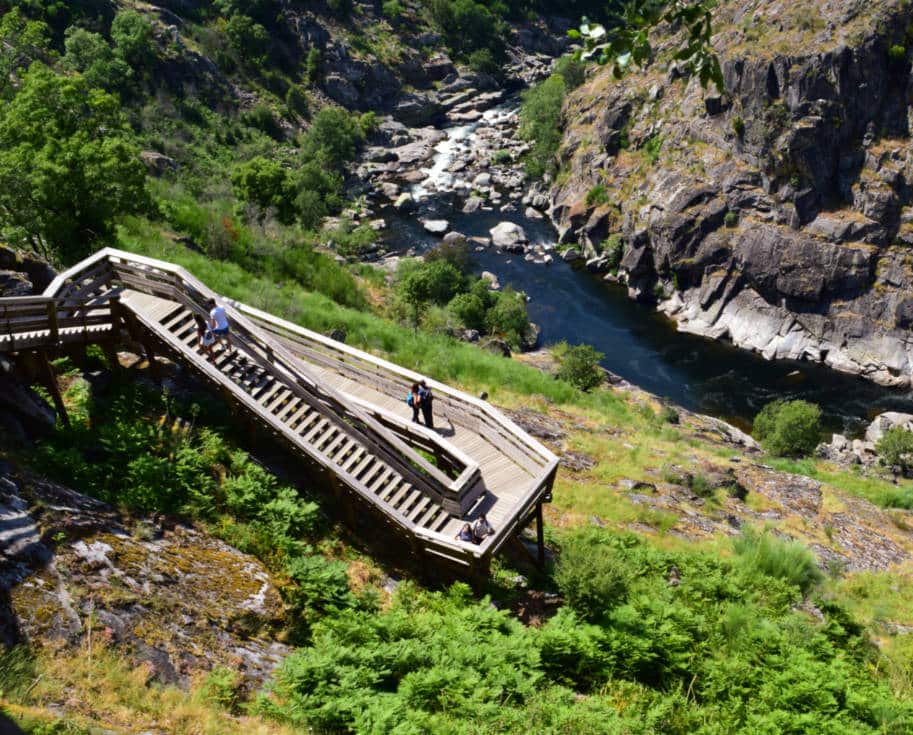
(776, 213)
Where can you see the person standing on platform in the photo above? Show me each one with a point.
(427, 399)
(414, 399)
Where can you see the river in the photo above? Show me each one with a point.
(639, 344)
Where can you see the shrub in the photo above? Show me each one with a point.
(540, 123)
(669, 415)
(597, 196)
(132, 36)
(789, 428)
(572, 70)
(90, 54)
(738, 127)
(393, 9)
(895, 448)
(469, 310)
(483, 61)
(580, 367)
(790, 560)
(591, 577)
(296, 101)
(341, 8)
(508, 316)
(613, 250)
(248, 39)
(731, 219)
(897, 53)
(312, 65)
(501, 157)
(334, 137)
(651, 149)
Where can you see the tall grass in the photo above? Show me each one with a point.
(790, 561)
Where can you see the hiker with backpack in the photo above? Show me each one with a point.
(414, 399)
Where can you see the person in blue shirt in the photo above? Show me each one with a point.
(465, 534)
(414, 399)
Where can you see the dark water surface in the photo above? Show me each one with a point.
(642, 345)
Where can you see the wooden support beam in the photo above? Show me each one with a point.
(540, 535)
(50, 380)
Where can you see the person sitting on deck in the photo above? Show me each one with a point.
(204, 335)
(465, 534)
(218, 322)
(414, 399)
(481, 529)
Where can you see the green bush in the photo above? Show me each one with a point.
(580, 367)
(613, 250)
(895, 448)
(789, 428)
(572, 70)
(483, 61)
(248, 39)
(738, 127)
(312, 65)
(393, 9)
(790, 561)
(897, 53)
(297, 102)
(592, 579)
(90, 54)
(469, 310)
(597, 196)
(651, 149)
(731, 219)
(540, 123)
(508, 316)
(131, 33)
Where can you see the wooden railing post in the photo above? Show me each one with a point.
(51, 382)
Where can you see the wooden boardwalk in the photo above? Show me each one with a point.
(341, 408)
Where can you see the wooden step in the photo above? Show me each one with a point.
(408, 501)
(319, 428)
(430, 513)
(404, 490)
(419, 509)
(353, 458)
(363, 466)
(392, 487)
(378, 482)
(336, 443)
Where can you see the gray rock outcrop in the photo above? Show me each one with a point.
(777, 215)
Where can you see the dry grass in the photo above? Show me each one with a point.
(98, 688)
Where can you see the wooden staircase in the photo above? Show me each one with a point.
(314, 430)
(339, 407)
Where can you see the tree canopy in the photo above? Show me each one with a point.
(67, 165)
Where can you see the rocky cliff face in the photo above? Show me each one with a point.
(777, 214)
(177, 600)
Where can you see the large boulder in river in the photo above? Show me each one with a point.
(436, 226)
(507, 235)
(404, 203)
(416, 110)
